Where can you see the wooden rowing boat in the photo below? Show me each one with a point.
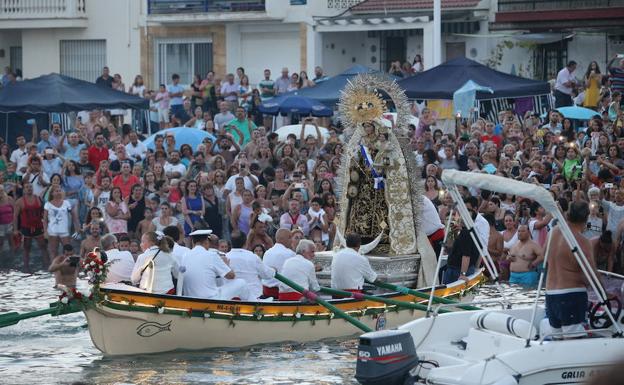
(130, 322)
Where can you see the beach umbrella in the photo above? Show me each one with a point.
(295, 129)
(183, 135)
(576, 112)
(295, 104)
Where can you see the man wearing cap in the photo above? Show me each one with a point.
(275, 258)
(248, 266)
(204, 265)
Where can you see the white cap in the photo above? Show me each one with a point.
(201, 232)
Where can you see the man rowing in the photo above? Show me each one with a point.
(203, 266)
(349, 268)
(248, 266)
(566, 285)
(299, 269)
(275, 258)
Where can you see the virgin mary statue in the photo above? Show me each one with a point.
(379, 200)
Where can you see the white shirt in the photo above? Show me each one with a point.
(159, 280)
(249, 267)
(230, 185)
(120, 269)
(139, 150)
(59, 218)
(275, 258)
(349, 269)
(180, 167)
(430, 217)
(38, 181)
(301, 271)
(178, 253)
(202, 269)
(482, 228)
(20, 158)
(564, 76)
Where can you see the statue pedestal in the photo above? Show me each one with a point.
(396, 269)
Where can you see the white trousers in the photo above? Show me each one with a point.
(234, 288)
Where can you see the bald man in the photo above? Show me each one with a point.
(275, 258)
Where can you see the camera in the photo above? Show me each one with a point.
(593, 157)
(73, 260)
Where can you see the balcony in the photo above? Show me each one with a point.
(540, 15)
(38, 14)
(554, 5)
(168, 7)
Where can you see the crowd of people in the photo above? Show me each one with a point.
(258, 193)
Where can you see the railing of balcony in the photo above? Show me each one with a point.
(159, 7)
(551, 5)
(42, 9)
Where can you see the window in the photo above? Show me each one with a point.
(15, 54)
(83, 59)
(183, 57)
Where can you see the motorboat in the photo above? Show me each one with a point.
(497, 346)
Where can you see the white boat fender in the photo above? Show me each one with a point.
(385, 357)
(502, 323)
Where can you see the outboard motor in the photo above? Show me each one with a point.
(385, 357)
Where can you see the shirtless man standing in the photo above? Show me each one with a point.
(65, 267)
(566, 285)
(525, 256)
(92, 240)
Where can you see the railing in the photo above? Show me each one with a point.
(42, 9)
(164, 7)
(552, 5)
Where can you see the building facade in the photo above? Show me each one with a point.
(156, 38)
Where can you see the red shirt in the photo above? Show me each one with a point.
(492, 138)
(125, 186)
(96, 155)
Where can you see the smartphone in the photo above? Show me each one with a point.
(608, 185)
(299, 185)
(73, 261)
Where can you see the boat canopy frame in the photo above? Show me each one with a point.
(453, 178)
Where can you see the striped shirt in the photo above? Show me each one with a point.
(617, 79)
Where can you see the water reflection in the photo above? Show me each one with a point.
(50, 350)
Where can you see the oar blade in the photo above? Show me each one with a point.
(9, 319)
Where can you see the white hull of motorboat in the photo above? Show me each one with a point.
(490, 357)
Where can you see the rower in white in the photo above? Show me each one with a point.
(349, 269)
(275, 258)
(203, 265)
(299, 269)
(248, 266)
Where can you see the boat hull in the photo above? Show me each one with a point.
(128, 323)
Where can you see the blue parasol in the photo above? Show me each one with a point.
(578, 113)
(294, 104)
(183, 135)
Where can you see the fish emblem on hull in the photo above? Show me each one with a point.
(149, 329)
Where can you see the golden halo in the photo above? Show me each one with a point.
(362, 105)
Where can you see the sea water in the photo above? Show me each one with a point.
(58, 350)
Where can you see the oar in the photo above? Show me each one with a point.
(313, 297)
(13, 318)
(401, 289)
(372, 298)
